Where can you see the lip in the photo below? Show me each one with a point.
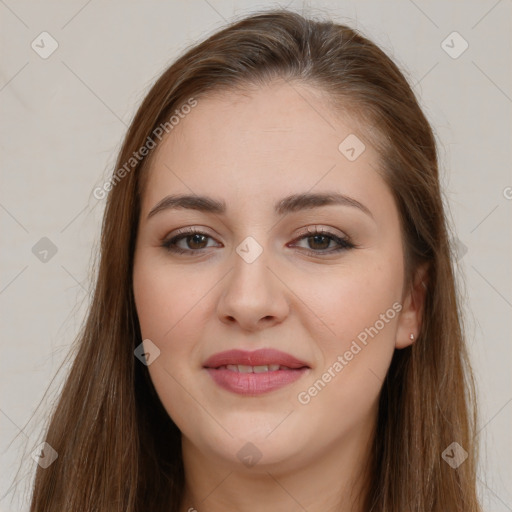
(259, 357)
(254, 383)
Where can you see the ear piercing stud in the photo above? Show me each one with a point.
(411, 336)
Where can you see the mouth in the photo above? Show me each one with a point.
(262, 368)
(254, 373)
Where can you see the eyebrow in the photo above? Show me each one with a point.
(289, 204)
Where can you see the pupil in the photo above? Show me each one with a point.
(195, 238)
(316, 237)
(198, 239)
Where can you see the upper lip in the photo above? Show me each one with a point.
(259, 357)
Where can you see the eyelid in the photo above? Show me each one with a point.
(343, 241)
(181, 234)
(189, 230)
(315, 228)
(311, 229)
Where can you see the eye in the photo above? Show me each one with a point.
(322, 238)
(197, 241)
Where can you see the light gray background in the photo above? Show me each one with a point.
(62, 122)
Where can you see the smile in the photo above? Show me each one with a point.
(242, 368)
(254, 373)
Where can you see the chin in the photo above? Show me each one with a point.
(258, 454)
(254, 445)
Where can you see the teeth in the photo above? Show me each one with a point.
(242, 368)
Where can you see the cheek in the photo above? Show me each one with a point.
(337, 310)
(344, 304)
(171, 306)
(165, 301)
(356, 336)
(166, 297)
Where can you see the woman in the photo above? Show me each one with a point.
(275, 324)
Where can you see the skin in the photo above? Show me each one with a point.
(250, 150)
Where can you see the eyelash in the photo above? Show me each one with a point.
(344, 243)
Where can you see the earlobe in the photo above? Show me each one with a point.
(409, 323)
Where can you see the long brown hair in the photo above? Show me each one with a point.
(118, 448)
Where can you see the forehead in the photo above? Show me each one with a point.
(264, 143)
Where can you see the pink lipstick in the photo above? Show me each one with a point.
(254, 373)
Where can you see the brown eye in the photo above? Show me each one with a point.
(318, 242)
(194, 241)
(319, 239)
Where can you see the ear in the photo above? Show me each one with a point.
(411, 314)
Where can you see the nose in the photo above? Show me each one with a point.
(254, 297)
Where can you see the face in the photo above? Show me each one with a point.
(319, 282)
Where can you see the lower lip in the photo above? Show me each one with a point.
(254, 383)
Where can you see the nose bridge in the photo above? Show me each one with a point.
(252, 292)
(251, 277)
